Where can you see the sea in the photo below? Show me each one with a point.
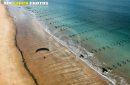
(99, 30)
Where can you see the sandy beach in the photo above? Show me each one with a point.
(12, 71)
(58, 66)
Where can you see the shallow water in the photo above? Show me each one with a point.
(101, 27)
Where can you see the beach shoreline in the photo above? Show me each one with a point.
(109, 80)
(21, 37)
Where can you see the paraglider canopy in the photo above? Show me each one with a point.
(42, 49)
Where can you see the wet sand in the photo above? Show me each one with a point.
(55, 67)
(12, 71)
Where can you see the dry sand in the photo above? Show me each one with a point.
(12, 71)
(56, 67)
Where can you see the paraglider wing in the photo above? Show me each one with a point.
(41, 49)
